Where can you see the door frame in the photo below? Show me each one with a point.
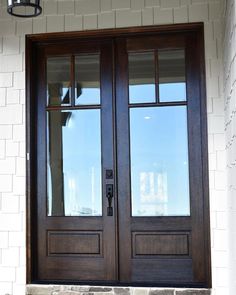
(33, 43)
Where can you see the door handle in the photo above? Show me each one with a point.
(109, 195)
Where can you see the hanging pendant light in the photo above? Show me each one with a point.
(24, 8)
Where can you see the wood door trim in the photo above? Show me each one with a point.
(33, 42)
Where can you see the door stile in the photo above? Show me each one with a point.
(123, 172)
(110, 225)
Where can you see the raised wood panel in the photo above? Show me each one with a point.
(154, 243)
(74, 243)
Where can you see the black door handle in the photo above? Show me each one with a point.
(109, 195)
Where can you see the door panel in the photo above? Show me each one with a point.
(158, 141)
(76, 237)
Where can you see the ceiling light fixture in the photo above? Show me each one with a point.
(24, 8)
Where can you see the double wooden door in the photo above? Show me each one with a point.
(117, 133)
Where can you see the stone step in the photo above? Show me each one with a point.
(91, 290)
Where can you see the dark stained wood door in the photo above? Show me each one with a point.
(160, 120)
(118, 158)
(76, 236)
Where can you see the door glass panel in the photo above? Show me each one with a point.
(58, 81)
(142, 77)
(172, 80)
(74, 163)
(87, 79)
(159, 161)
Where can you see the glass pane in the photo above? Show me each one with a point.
(74, 163)
(58, 81)
(159, 161)
(87, 78)
(142, 77)
(172, 80)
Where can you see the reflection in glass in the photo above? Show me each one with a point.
(159, 161)
(74, 163)
(172, 80)
(58, 81)
(87, 78)
(142, 77)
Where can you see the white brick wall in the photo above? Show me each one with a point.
(70, 15)
(230, 130)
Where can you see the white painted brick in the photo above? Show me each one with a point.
(214, 10)
(19, 289)
(50, 7)
(13, 96)
(22, 149)
(5, 288)
(215, 124)
(20, 166)
(2, 97)
(152, 3)
(169, 3)
(219, 258)
(5, 79)
(39, 25)
(219, 142)
(212, 161)
(7, 166)
(198, 12)
(19, 133)
(90, 22)
(220, 180)
(5, 184)
(66, 7)
(105, 5)
(106, 19)
(147, 17)
(210, 143)
(220, 239)
(125, 18)
(73, 23)
(84, 7)
(137, 4)
(7, 274)
(1, 45)
(12, 148)
(10, 257)
(181, 14)
(24, 27)
(211, 179)
(10, 222)
(16, 239)
(7, 27)
(20, 274)
(11, 45)
(10, 203)
(19, 80)
(163, 16)
(2, 149)
(11, 114)
(4, 241)
(22, 256)
(222, 276)
(221, 161)
(209, 105)
(55, 23)
(221, 219)
(218, 106)
(11, 63)
(18, 185)
(185, 2)
(22, 96)
(5, 132)
(120, 4)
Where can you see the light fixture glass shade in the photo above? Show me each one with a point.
(24, 8)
